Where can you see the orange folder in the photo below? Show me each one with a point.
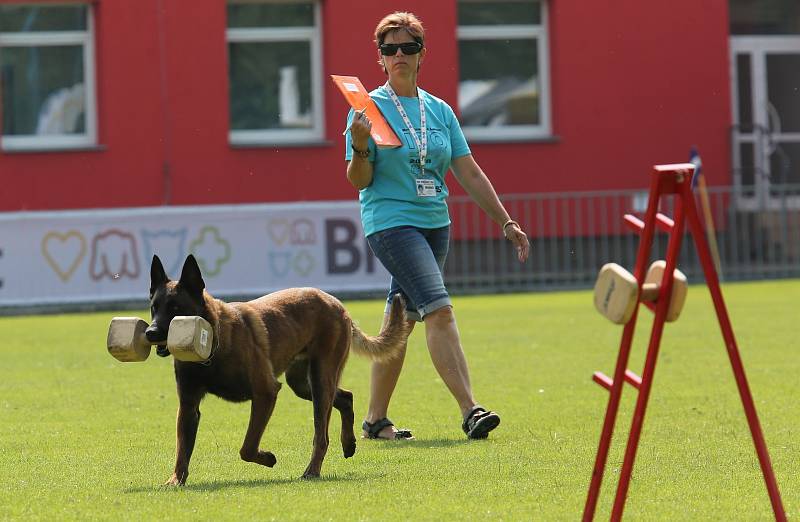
(358, 98)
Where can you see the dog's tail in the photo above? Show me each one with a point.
(389, 342)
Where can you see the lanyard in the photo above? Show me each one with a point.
(422, 145)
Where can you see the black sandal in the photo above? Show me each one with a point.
(373, 430)
(479, 422)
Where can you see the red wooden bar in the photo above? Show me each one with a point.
(668, 180)
(633, 379)
(605, 381)
(634, 223)
(664, 223)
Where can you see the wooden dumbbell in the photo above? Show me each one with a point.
(189, 339)
(126, 340)
(615, 293)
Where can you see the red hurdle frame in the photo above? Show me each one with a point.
(668, 180)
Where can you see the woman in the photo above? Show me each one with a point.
(405, 217)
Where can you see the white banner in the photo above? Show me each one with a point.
(104, 255)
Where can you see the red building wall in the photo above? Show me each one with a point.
(631, 86)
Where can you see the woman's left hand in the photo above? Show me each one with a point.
(514, 233)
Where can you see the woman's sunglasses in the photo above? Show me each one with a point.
(408, 48)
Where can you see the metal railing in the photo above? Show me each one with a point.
(574, 234)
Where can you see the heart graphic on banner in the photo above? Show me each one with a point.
(278, 230)
(64, 252)
(279, 263)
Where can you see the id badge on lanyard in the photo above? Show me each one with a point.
(425, 188)
(421, 142)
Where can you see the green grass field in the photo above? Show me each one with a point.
(83, 436)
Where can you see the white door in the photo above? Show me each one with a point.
(765, 73)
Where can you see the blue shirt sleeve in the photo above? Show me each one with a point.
(458, 142)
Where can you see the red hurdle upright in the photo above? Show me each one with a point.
(668, 180)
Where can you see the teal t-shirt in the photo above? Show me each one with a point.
(391, 200)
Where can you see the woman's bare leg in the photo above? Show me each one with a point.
(444, 345)
(383, 380)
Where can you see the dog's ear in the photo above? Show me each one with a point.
(158, 276)
(191, 278)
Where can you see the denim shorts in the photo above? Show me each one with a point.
(415, 258)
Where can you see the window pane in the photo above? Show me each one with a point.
(745, 93)
(783, 89)
(499, 82)
(270, 85)
(47, 18)
(43, 91)
(765, 17)
(271, 15)
(785, 163)
(519, 12)
(748, 167)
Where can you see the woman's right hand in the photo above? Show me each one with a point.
(359, 169)
(360, 130)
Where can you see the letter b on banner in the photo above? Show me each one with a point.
(343, 253)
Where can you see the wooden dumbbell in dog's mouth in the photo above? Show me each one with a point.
(190, 338)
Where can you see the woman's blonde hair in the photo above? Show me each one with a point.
(400, 20)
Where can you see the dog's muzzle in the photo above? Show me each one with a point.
(155, 335)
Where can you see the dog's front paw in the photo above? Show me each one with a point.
(267, 458)
(162, 351)
(310, 475)
(175, 481)
(349, 448)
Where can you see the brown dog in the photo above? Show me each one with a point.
(303, 332)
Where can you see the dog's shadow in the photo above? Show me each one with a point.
(217, 485)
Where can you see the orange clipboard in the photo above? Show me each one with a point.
(358, 98)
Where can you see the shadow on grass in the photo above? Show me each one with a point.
(217, 485)
(400, 445)
(420, 443)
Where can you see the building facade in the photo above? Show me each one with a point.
(109, 104)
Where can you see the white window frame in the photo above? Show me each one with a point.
(312, 35)
(512, 32)
(55, 38)
(757, 47)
